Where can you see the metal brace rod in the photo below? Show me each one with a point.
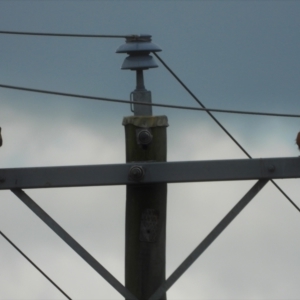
(209, 239)
(73, 244)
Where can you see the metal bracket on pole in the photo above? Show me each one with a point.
(73, 244)
(209, 239)
(138, 48)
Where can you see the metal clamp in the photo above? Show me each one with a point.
(131, 100)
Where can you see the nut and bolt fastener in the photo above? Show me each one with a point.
(136, 173)
(271, 168)
(144, 137)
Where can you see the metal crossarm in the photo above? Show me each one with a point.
(153, 172)
(209, 239)
(73, 244)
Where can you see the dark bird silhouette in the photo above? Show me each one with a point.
(298, 140)
(1, 142)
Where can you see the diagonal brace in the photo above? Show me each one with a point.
(73, 244)
(209, 239)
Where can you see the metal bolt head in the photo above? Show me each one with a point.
(271, 168)
(144, 137)
(136, 173)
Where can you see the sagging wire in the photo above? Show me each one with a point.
(151, 104)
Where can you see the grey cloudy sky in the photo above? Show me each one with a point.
(233, 55)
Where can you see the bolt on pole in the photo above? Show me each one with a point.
(146, 204)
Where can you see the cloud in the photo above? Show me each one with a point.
(229, 61)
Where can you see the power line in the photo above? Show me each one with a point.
(224, 129)
(24, 255)
(149, 104)
(63, 34)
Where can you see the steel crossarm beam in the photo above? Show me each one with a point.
(73, 244)
(209, 239)
(153, 172)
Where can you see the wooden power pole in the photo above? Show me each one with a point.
(146, 204)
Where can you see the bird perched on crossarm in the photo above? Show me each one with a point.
(0, 138)
(298, 140)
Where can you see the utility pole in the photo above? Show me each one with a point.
(146, 204)
(146, 174)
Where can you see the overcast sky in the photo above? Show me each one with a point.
(233, 55)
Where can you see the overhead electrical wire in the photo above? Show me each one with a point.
(224, 129)
(124, 101)
(63, 34)
(30, 261)
(149, 104)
